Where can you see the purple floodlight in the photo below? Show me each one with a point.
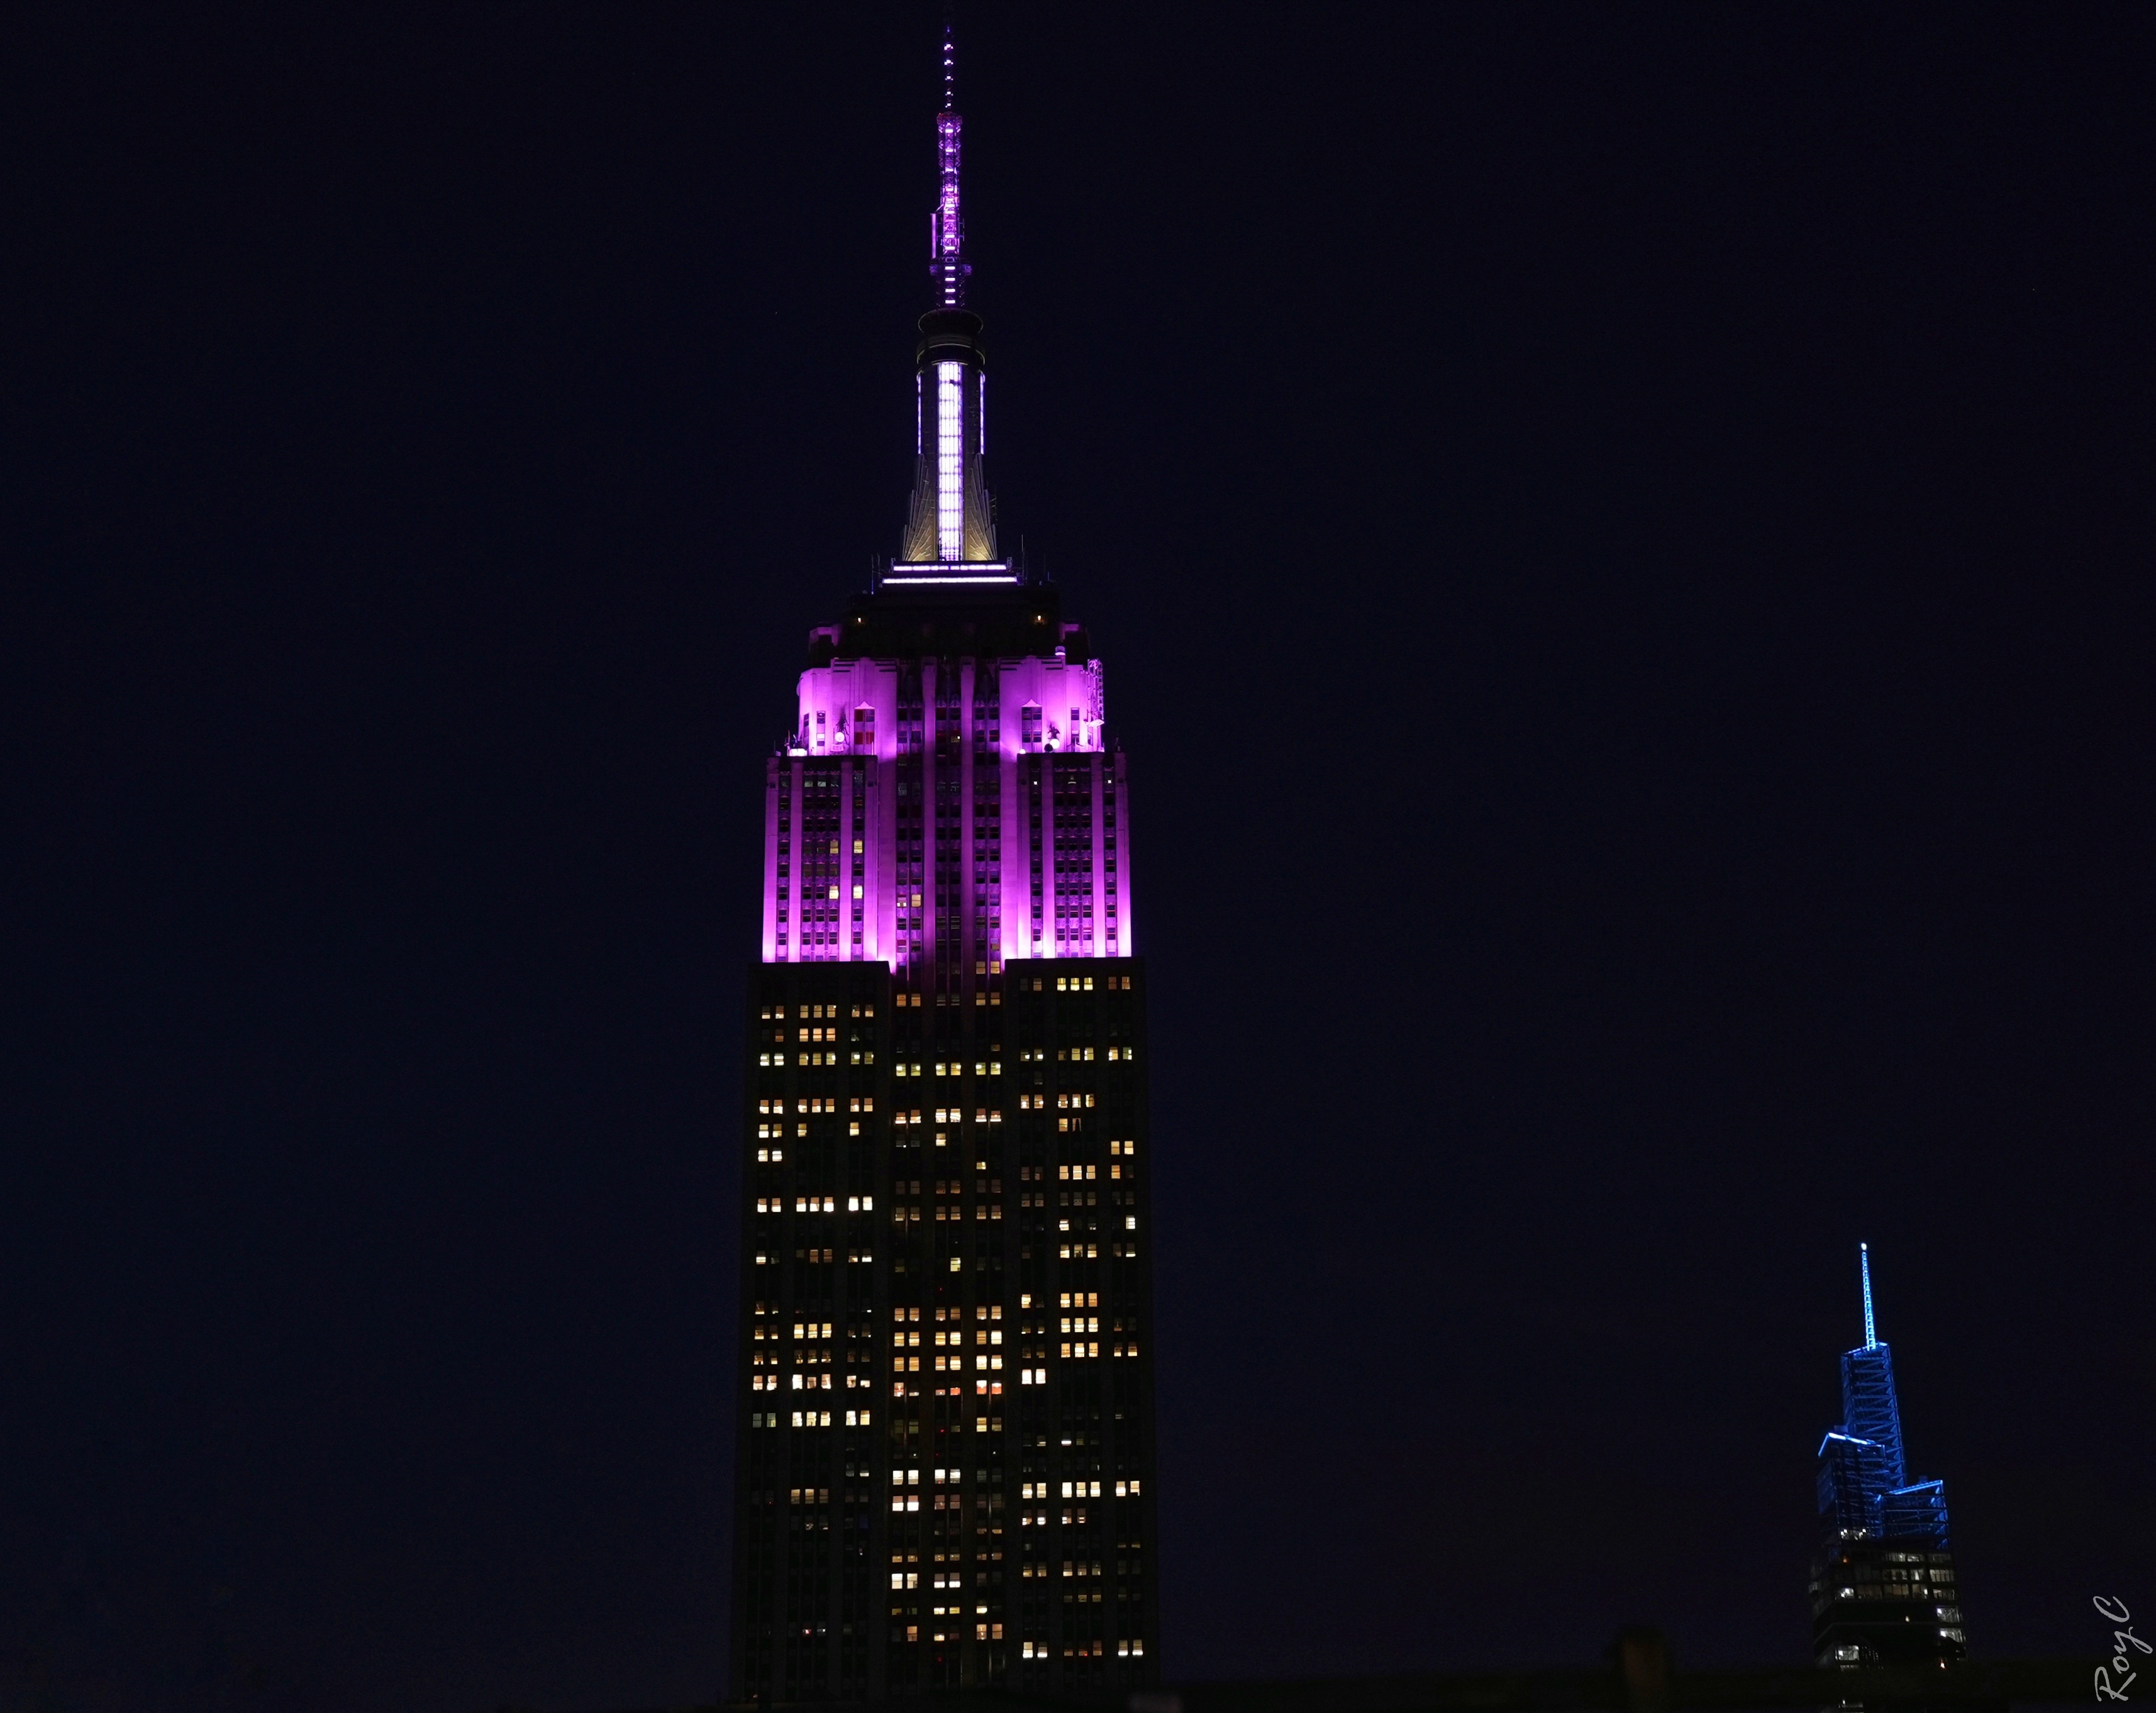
(836, 888)
(1015, 743)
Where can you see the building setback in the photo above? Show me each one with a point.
(946, 1398)
(1883, 1590)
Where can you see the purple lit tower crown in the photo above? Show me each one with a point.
(945, 803)
(946, 1285)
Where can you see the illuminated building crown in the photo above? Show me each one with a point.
(952, 523)
(949, 802)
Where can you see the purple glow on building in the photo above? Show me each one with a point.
(948, 233)
(952, 519)
(945, 823)
(946, 230)
(1026, 851)
(950, 461)
(1035, 725)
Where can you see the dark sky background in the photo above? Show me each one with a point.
(1666, 491)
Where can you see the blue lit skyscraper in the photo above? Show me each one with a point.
(1882, 1588)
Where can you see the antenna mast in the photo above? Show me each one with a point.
(946, 233)
(1864, 1261)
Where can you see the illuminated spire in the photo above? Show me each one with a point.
(1864, 1261)
(946, 230)
(953, 521)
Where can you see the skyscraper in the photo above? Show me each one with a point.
(945, 1408)
(1882, 1588)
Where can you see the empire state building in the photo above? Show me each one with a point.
(946, 1475)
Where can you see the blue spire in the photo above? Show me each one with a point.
(1863, 1472)
(1870, 1409)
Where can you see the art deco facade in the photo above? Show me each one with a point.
(946, 1399)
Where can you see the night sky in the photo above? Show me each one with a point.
(1621, 542)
